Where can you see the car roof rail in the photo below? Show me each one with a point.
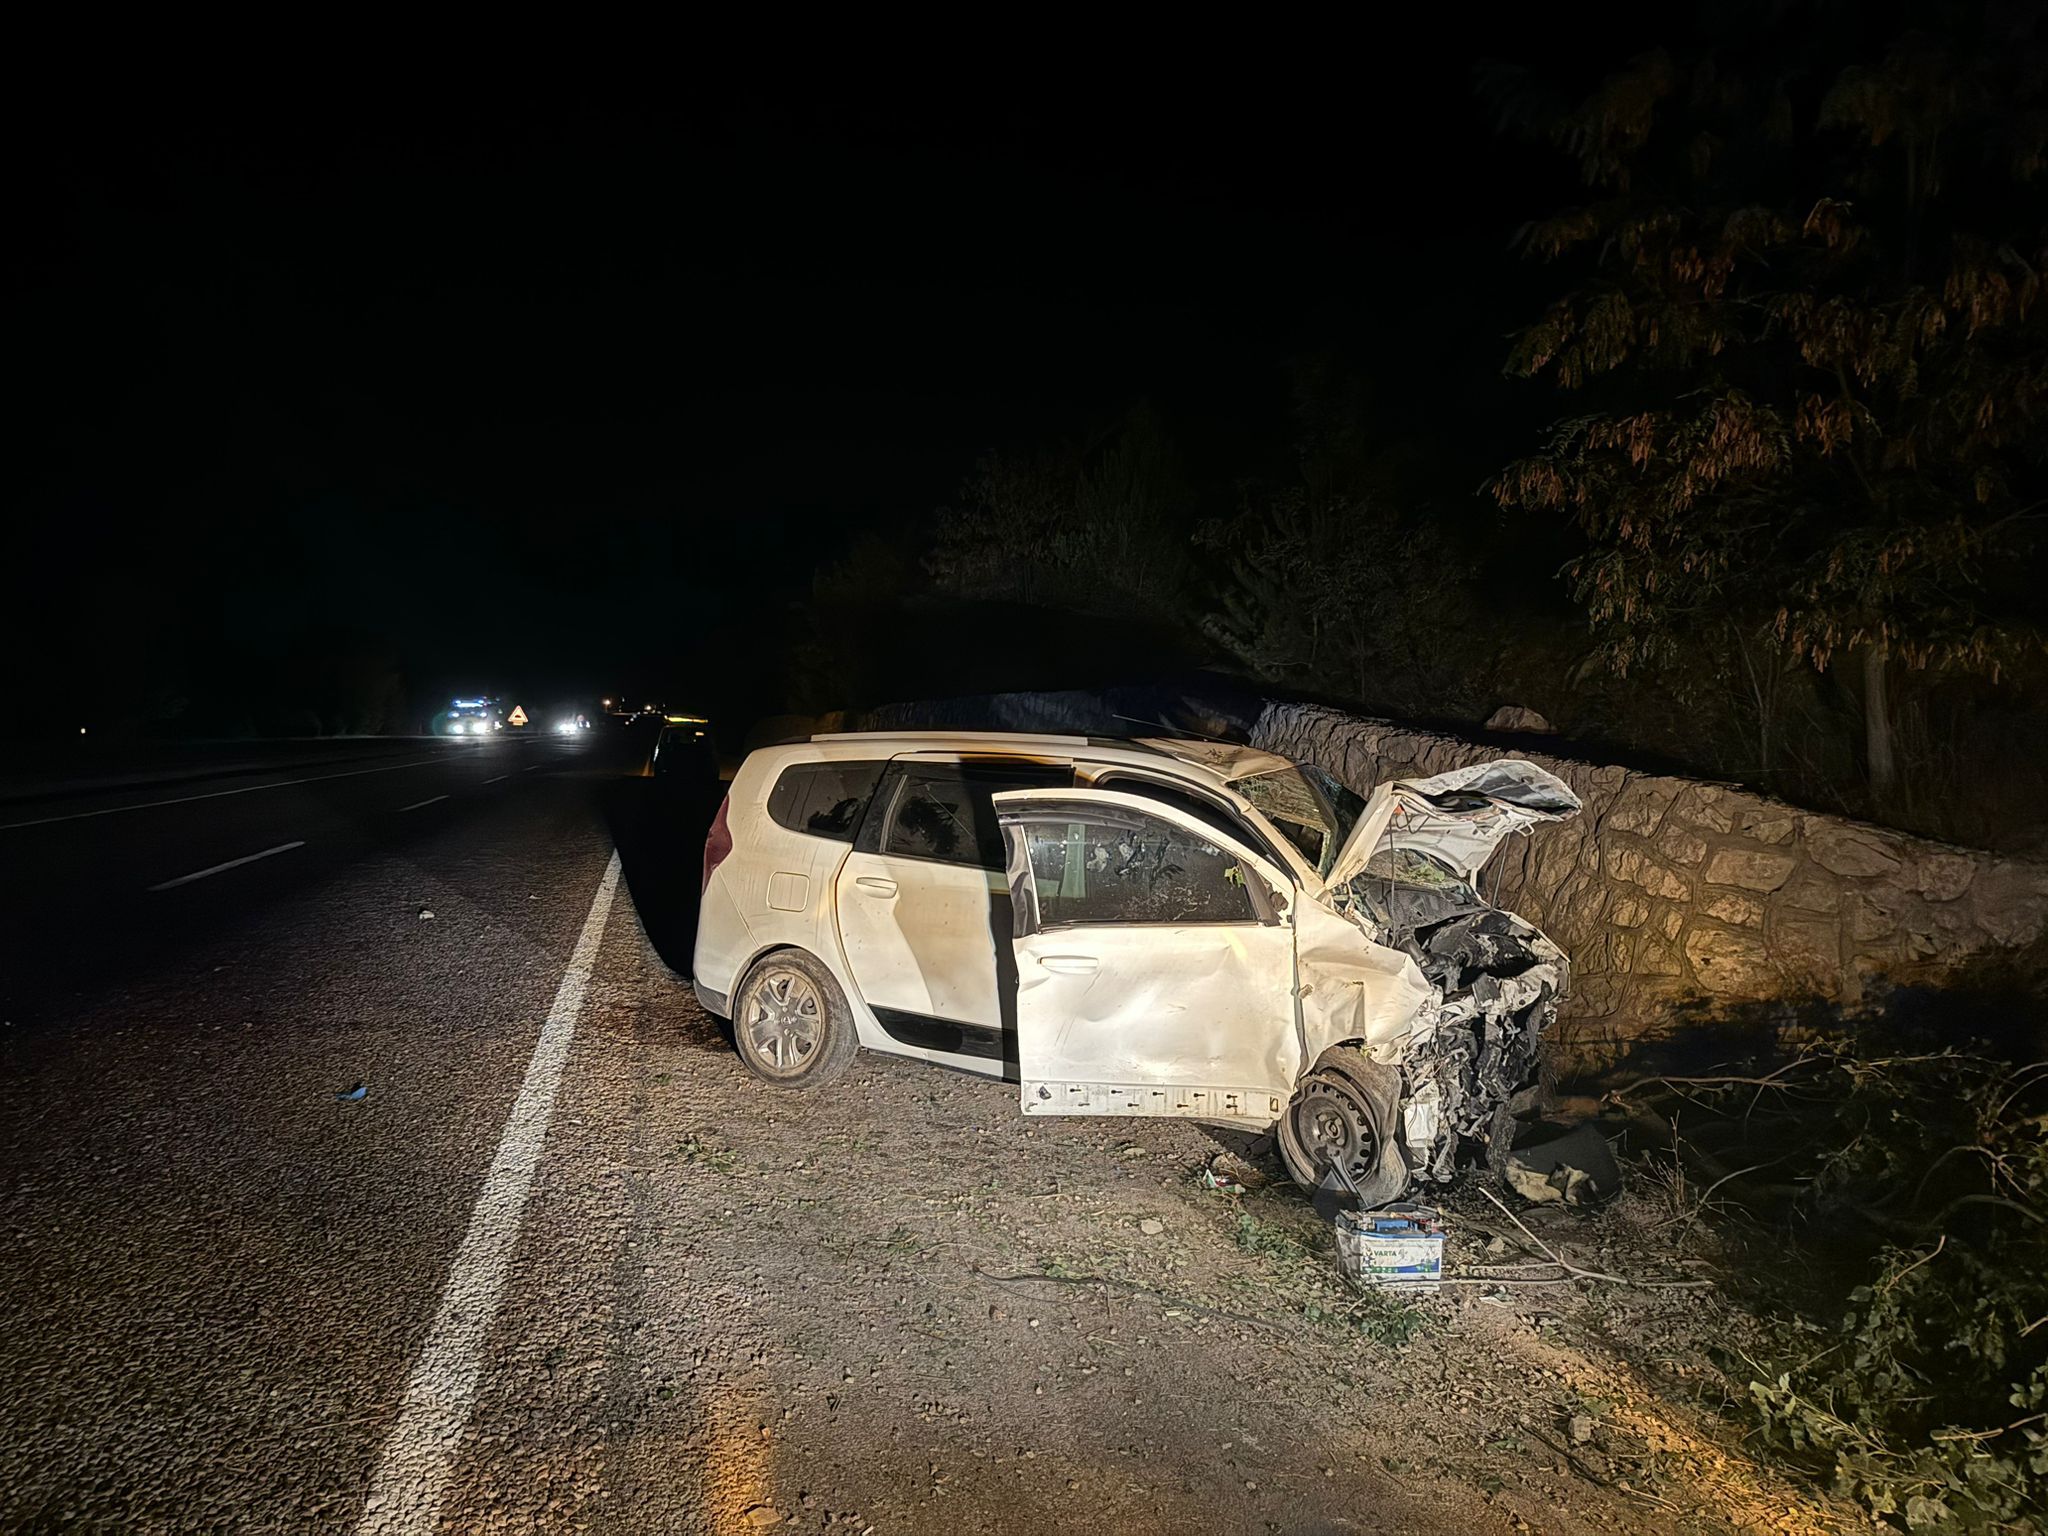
(950, 738)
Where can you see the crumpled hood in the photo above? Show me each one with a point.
(1458, 818)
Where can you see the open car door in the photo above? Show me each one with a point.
(1155, 961)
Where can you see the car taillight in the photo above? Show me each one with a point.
(717, 844)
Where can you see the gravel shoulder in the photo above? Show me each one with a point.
(900, 1306)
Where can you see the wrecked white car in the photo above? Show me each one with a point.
(1153, 927)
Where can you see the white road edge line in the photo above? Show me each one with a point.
(419, 1455)
(215, 794)
(501, 778)
(421, 804)
(247, 858)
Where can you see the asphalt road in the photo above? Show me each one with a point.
(216, 1273)
(563, 1265)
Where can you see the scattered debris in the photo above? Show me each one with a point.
(1151, 1227)
(1580, 1272)
(352, 1095)
(1577, 1168)
(1398, 1247)
(1219, 1183)
(426, 912)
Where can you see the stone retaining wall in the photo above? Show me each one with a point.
(1678, 898)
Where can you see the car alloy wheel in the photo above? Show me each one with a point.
(784, 1020)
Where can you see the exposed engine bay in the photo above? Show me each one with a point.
(1471, 1060)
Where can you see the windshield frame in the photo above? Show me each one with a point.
(1318, 784)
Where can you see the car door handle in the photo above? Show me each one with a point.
(875, 885)
(1069, 965)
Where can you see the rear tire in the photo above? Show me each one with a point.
(1347, 1108)
(790, 1021)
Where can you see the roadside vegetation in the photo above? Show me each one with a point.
(1760, 497)
(1880, 1198)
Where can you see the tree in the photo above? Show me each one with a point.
(1343, 592)
(1099, 527)
(1810, 333)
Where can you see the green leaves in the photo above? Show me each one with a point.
(1816, 350)
(1924, 1400)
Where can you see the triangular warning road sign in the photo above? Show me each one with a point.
(517, 717)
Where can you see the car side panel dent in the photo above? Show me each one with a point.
(1349, 988)
(1155, 1021)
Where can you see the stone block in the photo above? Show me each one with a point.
(1764, 824)
(1595, 996)
(1628, 910)
(2010, 901)
(1683, 848)
(1870, 919)
(1551, 860)
(1705, 806)
(1811, 890)
(1754, 869)
(1656, 958)
(1623, 862)
(1858, 852)
(1667, 883)
(1729, 961)
(1736, 908)
(1943, 876)
(1670, 922)
(1641, 805)
(1808, 952)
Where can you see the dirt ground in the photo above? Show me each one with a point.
(899, 1307)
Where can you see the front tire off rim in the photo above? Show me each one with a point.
(785, 1019)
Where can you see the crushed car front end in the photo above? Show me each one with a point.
(1409, 879)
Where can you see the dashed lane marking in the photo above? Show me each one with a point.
(422, 804)
(501, 778)
(215, 794)
(247, 858)
(412, 1473)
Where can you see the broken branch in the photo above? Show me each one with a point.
(1579, 1271)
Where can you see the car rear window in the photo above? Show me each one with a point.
(823, 799)
(945, 813)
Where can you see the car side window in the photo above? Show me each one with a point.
(823, 799)
(1134, 870)
(1202, 809)
(946, 813)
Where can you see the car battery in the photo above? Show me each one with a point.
(1397, 1247)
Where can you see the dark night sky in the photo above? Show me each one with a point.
(577, 383)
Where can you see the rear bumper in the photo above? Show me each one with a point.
(719, 1003)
